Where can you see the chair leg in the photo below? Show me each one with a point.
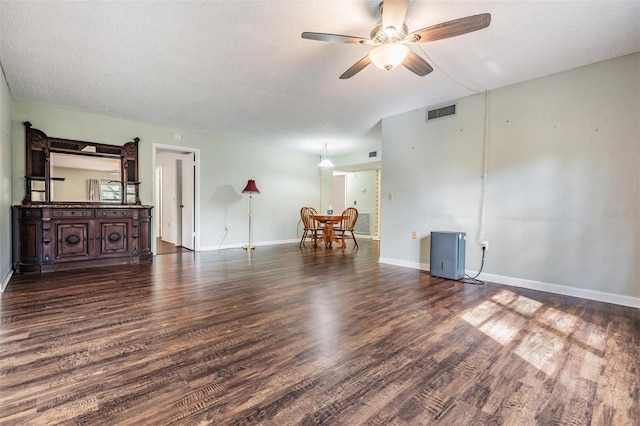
(304, 235)
(354, 238)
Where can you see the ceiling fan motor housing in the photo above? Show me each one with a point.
(379, 35)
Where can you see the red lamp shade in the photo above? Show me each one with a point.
(251, 187)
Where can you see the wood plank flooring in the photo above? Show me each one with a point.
(285, 336)
(163, 247)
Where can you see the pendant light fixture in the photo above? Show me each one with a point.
(325, 161)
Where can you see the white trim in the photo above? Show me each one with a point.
(583, 293)
(364, 236)
(241, 245)
(600, 296)
(5, 280)
(263, 243)
(404, 263)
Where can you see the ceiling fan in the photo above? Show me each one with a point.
(390, 37)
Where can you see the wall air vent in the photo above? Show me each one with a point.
(373, 154)
(432, 114)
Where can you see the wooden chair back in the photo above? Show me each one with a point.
(311, 228)
(306, 214)
(349, 219)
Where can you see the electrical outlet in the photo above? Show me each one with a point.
(414, 235)
(485, 244)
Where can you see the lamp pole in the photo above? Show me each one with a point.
(251, 189)
(250, 246)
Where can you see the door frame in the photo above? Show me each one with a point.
(155, 147)
(188, 183)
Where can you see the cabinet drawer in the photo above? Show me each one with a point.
(114, 213)
(31, 213)
(55, 213)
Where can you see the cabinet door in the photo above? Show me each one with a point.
(114, 238)
(72, 240)
(31, 236)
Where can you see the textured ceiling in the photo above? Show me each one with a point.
(240, 70)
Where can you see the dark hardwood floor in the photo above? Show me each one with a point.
(283, 336)
(163, 247)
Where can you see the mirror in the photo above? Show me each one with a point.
(85, 179)
(69, 171)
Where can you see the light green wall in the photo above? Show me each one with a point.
(563, 186)
(287, 179)
(5, 183)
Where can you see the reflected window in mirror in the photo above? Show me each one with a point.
(110, 191)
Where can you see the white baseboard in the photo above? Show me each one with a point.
(365, 236)
(404, 263)
(5, 280)
(600, 296)
(262, 243)
(241, 245)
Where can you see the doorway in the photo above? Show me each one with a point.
(359, 188)
(176, 198)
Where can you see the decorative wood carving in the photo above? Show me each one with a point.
(39, 146)
(52, 235)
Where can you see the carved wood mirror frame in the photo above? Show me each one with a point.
(39, 148)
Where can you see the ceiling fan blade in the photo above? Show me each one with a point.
(451, 28)
(356, 68)
(393, 13)
(336, 38)
(416, 64)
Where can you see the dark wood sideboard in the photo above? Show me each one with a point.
(86, 229)
(58, 237)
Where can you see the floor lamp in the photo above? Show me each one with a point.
(251, 189)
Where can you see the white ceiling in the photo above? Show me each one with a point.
(240, 70)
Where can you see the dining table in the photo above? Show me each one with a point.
(329, 220)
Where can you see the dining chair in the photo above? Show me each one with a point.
(349, 219)
(312, 229)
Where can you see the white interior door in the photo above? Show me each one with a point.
(169, 198)
(187, 200)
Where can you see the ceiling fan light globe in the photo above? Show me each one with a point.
(388, 56)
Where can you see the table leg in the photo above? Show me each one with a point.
(328, 234)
